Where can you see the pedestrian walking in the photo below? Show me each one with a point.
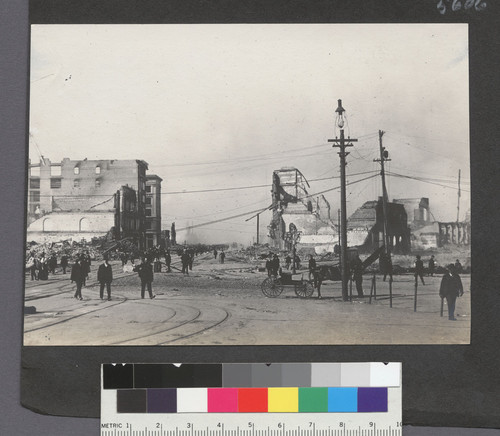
(222, 256)
(105, 277)
(419, 270)
(215, 253)
(78, 275)
(458, 267)
(357, 274)
(145, 271)
(64, 263)
(432, 266)
(451, 288)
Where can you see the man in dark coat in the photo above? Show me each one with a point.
(78, 275)
(288, 261)
(185, 262)
(215, 253)
(105, 277)
(64, 263)
(312, 266)
(275, 265)
(168, 260)
(357, 274)
(419, 270)
(385, 265)
(432, 266)
(222, 256)
(145, 271)
(451, 288)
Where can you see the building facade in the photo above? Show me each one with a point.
(59, 192)
(153, 211)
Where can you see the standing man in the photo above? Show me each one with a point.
(190, 253)
(458, 267)
(168, 260)
(386, 265)
(145, 271)
(419, 270)
(222, 256)
(78, 275)
(357, 274)
(312, 266)
(288, 261)
(275, 265)
(185, 262)
(451, 288)
(432, 266)
(64, 263)
(215, 253)
(105, 277)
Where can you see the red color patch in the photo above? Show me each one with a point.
(252, 400)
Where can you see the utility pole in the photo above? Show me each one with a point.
(341, 143)
(458, 205)
(384, 154)
(258, 216)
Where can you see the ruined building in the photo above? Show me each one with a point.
(76, 199)
(294, 208)
(429, 234)
(365, 227)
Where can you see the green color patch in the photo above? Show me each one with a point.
(313, 399)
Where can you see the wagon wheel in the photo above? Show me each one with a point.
(271, 287)
(304, 290)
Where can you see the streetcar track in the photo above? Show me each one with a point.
(75, 316)
(200, 331)
(162, 331)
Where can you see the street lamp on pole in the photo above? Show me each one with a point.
(342, 143)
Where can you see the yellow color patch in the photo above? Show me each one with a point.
(283, 399)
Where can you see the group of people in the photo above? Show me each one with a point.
(42, 264)
(81, 269)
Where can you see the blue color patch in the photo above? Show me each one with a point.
(342, 399)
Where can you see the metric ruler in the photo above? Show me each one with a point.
(330, 405)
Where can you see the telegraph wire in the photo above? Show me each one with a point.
(425, 181)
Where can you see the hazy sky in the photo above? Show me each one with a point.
(220, 106)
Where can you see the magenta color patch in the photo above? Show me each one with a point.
(222, 400)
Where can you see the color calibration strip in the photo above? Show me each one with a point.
(251, 388)
(251, 400)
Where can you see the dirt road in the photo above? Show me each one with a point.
(222, 304)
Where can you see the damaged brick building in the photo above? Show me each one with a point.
(82, 199)
(292, 204)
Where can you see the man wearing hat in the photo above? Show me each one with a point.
(145, 271)
(105, 277)
(451, 288)
(78, 275)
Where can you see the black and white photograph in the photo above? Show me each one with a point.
(248, 184)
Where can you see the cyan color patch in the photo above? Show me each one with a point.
(342, 399)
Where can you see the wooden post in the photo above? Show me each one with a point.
(372, 288)
(442, 305)
(415, 298)
(350, 290)
(390, 291)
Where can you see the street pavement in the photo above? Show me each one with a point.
(222, 304)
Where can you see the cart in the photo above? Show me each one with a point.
(273, 286)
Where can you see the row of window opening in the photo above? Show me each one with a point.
(56, 170)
